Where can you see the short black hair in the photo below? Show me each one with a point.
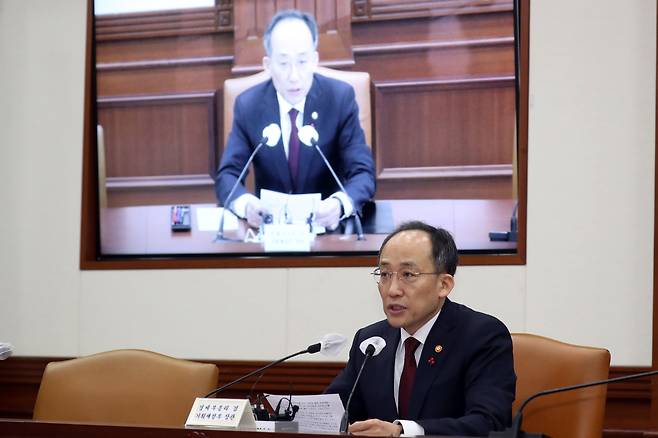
(294, 14)
(444, 250)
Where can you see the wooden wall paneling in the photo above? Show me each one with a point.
(252, 17)
(433, 131)
(160, 142)
(179, 22)
(433, 29)
(370, 10)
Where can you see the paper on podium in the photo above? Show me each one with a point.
(317, 413)
(207, 219)
(291, 209)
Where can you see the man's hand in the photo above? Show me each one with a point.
(375, 427)
(254, 212)
(328, 213)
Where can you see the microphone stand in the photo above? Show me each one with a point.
(345, 421)
(311, 349)
(355, 215)
(220, 231)
(515, 430)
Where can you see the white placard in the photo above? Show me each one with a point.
(287, 237)
(221, 412)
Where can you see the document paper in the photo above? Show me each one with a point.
(317, 413)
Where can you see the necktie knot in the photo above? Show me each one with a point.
(293, 116)
(410, 345)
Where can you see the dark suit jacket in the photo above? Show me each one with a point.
(341, 140)
(466, 389)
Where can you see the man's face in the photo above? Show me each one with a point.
(411, 302)
(292, 61)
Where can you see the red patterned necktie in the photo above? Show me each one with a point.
(407, 377)
(293, 147)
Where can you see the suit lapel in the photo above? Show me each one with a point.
(307, 154)
(270, 114)
(431, 363)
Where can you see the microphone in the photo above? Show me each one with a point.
(370, 347)
(6, 350)
(270, 137)
(515, 430)
(330, 345)
(309, 136)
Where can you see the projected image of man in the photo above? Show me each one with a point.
(296, 96)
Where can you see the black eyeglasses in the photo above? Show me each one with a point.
(406, 276)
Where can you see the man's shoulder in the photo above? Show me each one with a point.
(255, 92)
(378, 328)
(469, 318)
(329, 81)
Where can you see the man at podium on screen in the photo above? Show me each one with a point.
(293, 97)
(438, 367)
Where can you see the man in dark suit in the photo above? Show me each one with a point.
(446, 369)
(295, 96)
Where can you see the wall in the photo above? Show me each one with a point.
(590, 210)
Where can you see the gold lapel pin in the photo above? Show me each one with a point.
(438, 349)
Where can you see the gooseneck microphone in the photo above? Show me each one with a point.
(330, 345)
(370, 347)
(270, 137)
(515, 430)
(309, 136)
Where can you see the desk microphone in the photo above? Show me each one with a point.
(370, 347)
(309, 136)
(515, 430)
(6, 350)
(330, 345)
(270, 137)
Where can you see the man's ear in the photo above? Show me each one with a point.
(266, 63)
(316, 59)
(446, 283)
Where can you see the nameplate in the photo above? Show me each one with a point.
(221, 412)
(287, 238)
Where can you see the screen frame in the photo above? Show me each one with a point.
(90, 252)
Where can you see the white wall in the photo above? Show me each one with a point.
(590, 210)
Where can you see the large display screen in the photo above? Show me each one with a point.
(438, 113)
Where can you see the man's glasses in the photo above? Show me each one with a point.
(384, 278)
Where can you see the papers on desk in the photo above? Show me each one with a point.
(317, 413)
(207, 219)
(292, 209)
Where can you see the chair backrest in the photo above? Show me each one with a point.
(542, 363)
(360, 81)
(123, 387)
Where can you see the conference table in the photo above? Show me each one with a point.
(34, 429)
(146, 230)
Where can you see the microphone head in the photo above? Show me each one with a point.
(376, 342)
(332, 344)
(308, 135)
(312, 349)
(271, 134)
(6, 350)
